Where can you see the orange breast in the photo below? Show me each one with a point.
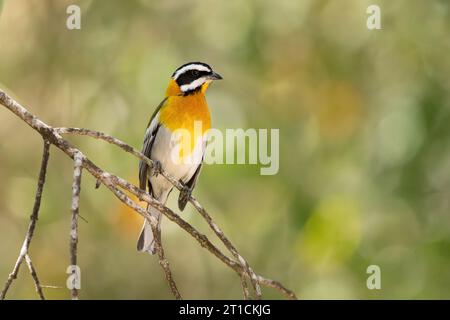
(190, 113)
(181, 112)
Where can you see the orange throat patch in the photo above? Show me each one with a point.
(182, 111)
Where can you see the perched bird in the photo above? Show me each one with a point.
(183, 107)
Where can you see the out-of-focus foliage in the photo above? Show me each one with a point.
(364, 142)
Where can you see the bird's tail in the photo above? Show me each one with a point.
(146, 242)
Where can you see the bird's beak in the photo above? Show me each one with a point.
(215, 76)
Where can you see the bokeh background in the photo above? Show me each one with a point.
(364, 143)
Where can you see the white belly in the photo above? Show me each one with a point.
(166, 150)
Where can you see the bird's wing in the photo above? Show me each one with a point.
(150, 133)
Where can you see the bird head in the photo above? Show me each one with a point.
(192, 77)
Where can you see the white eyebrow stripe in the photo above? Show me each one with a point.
(193, 85)
(198, 67)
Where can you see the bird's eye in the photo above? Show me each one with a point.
(195, 72)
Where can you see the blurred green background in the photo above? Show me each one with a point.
(364, 143)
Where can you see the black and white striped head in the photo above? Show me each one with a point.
(191, 76)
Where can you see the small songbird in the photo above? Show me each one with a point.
(183, 108)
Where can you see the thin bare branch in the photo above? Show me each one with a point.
(33, 273)
(11, 277)
(229, 245)
(278, 286)
(245, 288)
(32, 225)
(46, 286)
(164, 262)
(76, 188)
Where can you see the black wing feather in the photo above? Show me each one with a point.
(147, 149)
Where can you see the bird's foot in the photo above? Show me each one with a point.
(157, 168)
(185, 191)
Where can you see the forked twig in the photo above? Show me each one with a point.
(32, 225)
